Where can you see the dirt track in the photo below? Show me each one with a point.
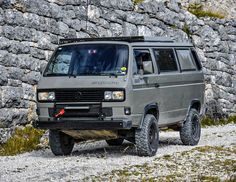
(96, 157)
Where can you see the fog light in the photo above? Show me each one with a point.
(127, 111)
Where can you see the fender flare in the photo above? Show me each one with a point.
(190, 106)
(153, 105)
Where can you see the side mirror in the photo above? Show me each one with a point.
(147, 67)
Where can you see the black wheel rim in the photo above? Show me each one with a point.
(153, 136)
(195, 127)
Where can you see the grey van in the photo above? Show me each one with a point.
(120, 88)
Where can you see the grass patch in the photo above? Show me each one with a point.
(136, 2)
(197, 9)
(23, 140)
(209, 178)
(186, 29)
(206, 121)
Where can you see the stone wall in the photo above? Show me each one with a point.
(29, 32)
(225, 7)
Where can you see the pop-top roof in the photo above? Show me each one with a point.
(123, 39)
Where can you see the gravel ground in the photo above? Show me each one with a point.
(96, 157)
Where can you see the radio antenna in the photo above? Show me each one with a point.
(87, 4)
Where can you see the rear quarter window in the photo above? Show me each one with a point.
(196, 59)
(185, 60)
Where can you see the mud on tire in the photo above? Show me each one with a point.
(147, 138)
(60, 143)
(191, 131)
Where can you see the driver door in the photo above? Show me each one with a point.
(144, 80)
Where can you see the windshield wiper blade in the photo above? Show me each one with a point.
(109, 74)
(90, 73)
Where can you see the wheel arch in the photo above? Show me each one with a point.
(151, 108)
(196, 104)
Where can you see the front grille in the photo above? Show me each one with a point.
(79, 95)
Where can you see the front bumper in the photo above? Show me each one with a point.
(67, 124)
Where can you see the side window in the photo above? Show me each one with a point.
(165, 59)
(142, 62)
(196, 59)
(185, 60)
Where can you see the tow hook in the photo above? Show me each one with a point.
(60, 113)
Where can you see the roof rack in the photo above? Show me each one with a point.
(124, 39)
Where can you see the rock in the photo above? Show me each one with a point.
(5, 134)
(31, 77)
(209, 36)
(44, 140)
(145, 31)
(11, 96)
(4, 75)
(15, 73)
(116, 29)
(94, 13)
(63, 29)
(129, 29)
(224, 79)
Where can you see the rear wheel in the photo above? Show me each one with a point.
(60, 143)
(147, 138)
(191, 131)
(115, 142)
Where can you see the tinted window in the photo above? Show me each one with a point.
(185, 60)
(89, 59)
(165, 59)
(142, 62)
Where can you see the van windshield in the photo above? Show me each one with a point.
(89, 59)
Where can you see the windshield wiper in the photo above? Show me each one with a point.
(109, 74)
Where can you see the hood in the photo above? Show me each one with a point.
(82, 82)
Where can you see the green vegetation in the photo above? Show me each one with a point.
(136, 2)
(23, 140)
(197, 9)
(206, 121)
(186, 29)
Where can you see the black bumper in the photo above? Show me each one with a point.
(84, 124)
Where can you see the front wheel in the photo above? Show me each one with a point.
(60, 143)
(191, 130)
(147, 138)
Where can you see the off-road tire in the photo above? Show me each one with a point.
(147, 138)
(60, 143)
(115, 142)
(190, 132)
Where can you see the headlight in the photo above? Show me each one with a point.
(114, 95)
(118, 95)
(44, 96)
